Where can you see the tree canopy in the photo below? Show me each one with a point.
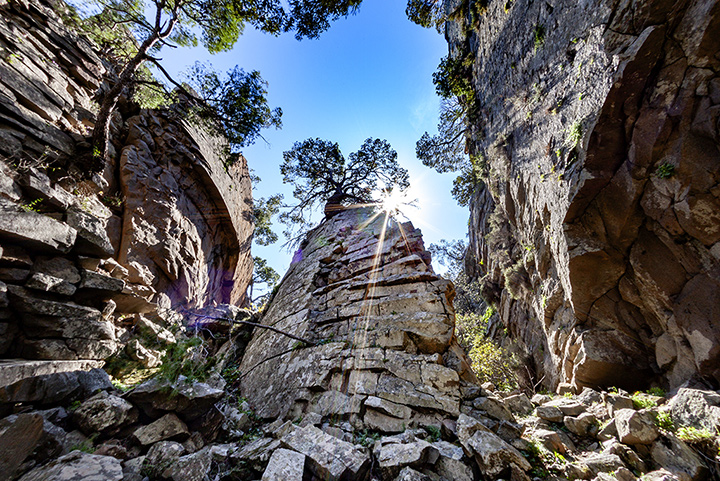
(321, 174)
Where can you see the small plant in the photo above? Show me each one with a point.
(539, 37)
(664, 421)
(656, 391)
(665, 170)
(86, 446)
(693, 435)
(433, 432)
(32, 206)
(642, 401)
(366, 438)
(575, 134)
(568, 395)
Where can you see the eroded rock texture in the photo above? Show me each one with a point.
(600, 217)
(167, 225)
(363, 289)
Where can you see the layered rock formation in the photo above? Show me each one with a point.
(382, 324)
(167, 225)
(598, 228)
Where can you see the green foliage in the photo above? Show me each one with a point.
(471, 179)
(693, 435)
(426, 13)
(433, 433)
(539, 37)
(665, 170)
(467, 293)
(453, 78)
(656, 391)
(32, 206)
(263, 211)
(642, 401)
(189, 358)
(233, 105)
(366, 438)
(321, 173)
(490, 361)
(664, 421)
(515, 280)
(262, 274)
(575, 134)
(86, 446)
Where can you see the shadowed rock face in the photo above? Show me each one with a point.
(599, 123)
(363, 289)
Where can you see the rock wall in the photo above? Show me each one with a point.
(384, 357)
(597, 229)
(165, 226)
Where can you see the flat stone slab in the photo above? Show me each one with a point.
(14, 370)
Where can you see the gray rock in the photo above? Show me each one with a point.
(168, 427)
(149, 358)
(256, 453)
(161, 456)
(539, 399)
(13, 275)
(61, 267)
(589, 396)
(494, 455)
(15, 256)
(660, 475)
(23, 301)
(78, 466)
(284, 465)
(673, 455)
(636, 427)
(615, 402)
(132, 469)
(452, 463)
(328, 457)
(96, 281)
(603, 463)
(494, 407)
(104, 413)
(192, 467)
(583, 425)
(190, 399)
(393, 457)
(19, 436)
(553, 440)
(48, 283)
(34, 230)
(549, 413)
(55, 387)
(694, 407)
(519, 403)
(92, 239)
(409, 474)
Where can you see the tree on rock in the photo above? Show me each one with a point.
(216, 24)
(322, 175)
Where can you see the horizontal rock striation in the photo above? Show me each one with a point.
(597, 229)
(167, 224)
(384, 354)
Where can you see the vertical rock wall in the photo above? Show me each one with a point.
(598, 228)
(362, 289)
(167, 225)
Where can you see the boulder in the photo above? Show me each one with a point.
(285, 465)
(255, 454)
(190, 400)
(61, 267)
(494, 455)
(549, 413)
(34, 230)
(55, 387)
(191, 467)
(92, 239)
(698, 408)
(602, 463)
(100, 283)
(168, 427)
(19, 436)
(673, 455)
(409, 474)
(104, 413)
(494, 407)
(452, 463)
(328, 458)
(636, 427)
(149, 358)
(392, 457)
(78, 466)
(518, 403)
(583, 425)
(47, 283)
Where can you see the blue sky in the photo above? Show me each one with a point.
(370, 75)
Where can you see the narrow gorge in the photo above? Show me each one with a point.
(130, 349)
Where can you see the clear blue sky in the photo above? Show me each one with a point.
(370, 75)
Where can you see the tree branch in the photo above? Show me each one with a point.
(262, 326)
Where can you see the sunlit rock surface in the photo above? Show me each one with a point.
(598, 121)
(362, 289)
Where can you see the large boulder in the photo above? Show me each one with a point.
(104, 413)
(284, 465)
(698, 408)
(78, 466)
(636, 427)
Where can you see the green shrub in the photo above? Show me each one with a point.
(664, 421)
(642, 401)
(188, 358)
(693, 435)
(665, 170)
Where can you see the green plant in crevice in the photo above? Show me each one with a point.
(538, 37)
(574, 135)
(664, 421)
(189, 358)
(693, 435)
(665, 170)
(433, 432)
(642, 401)
(32, 206)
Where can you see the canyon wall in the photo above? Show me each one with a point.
(166, 225)
(597, 230)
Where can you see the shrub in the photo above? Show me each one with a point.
(664, 421)
(693, 435)
(665, 170)
(642, 401)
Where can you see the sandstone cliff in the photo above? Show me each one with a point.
(165, 226)
(597, 230)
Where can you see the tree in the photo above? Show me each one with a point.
(262, 274)
(426, 13)
(321, 174)
(468, 299)
(235, 105)
(263, 212)
(216, 24)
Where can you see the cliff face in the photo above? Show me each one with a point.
(166, 225)
(599, 227)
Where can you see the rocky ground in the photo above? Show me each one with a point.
(188, 430)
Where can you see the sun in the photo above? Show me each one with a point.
(392, 200)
